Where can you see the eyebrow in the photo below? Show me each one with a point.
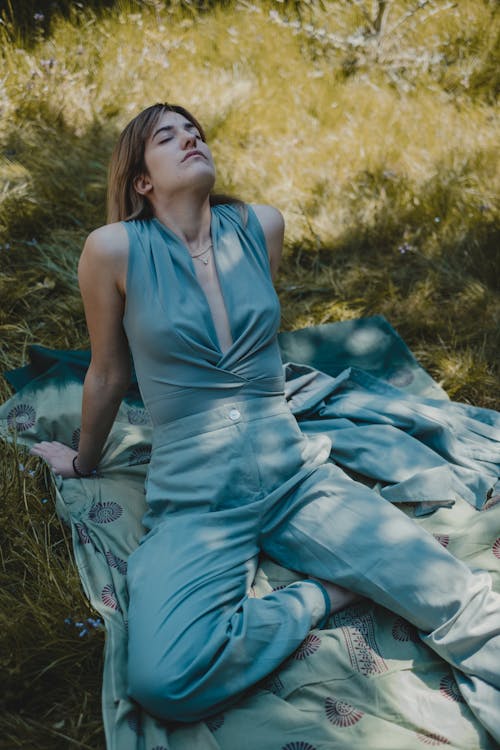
(169, 128)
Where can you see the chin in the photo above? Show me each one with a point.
(206, 180)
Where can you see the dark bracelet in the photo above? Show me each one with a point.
(81, 474)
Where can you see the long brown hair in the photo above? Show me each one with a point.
(127, 163)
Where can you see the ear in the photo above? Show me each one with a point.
(142, 184)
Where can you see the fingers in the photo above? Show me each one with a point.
(45, 445)
(40, 449)
(37, 450)
(57, 455)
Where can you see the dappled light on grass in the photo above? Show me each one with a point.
(381, 151)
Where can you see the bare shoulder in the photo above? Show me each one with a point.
(108, 240)
(270, 218)
(273, 226)
(104, 257)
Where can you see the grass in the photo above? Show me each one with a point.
(51, 675)
(380, 147)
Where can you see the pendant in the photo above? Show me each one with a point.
(205, 261)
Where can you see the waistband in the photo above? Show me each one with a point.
(233, 411)
(182, 402)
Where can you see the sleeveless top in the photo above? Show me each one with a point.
(180, 367)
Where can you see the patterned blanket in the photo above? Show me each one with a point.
(364, 681)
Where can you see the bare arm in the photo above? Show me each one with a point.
(273, 226)
(101, 275)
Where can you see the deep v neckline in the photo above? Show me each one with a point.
(189, 262)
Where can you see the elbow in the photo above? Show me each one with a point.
(113, 380)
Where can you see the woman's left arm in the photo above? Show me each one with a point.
(273, 226)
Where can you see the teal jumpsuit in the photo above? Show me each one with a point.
(232, 475)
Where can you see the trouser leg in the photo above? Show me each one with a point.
(196, 640)
(337, 529)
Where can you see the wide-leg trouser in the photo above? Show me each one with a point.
(229, 483)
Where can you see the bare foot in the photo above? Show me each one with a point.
(340, 597)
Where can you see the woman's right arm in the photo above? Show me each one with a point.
(101, 274)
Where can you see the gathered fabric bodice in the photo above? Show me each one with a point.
(179, 363)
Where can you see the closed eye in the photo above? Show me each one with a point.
(169, 129)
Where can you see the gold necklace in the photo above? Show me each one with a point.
(199, 256)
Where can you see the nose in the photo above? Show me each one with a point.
(188, 139)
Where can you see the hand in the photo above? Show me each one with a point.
(58, 456)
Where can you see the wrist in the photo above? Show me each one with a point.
(79, 472)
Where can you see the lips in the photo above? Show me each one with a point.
(193, 153)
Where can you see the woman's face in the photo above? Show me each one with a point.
(177, 159)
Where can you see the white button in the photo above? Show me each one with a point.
(234, 414)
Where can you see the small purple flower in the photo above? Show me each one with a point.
(44, 500)
(437, 219)
(82, 632)
(68, 620)
(405, 248)
(38, 17)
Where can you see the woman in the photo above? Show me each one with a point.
(184, 279)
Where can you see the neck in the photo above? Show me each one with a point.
(189, 219)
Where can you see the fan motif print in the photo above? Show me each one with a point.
(496, 548)
(449, 688)
(215, 722)
(403, 631)
(432, 739)
(75, 438)
(83, 534)
(108, 597)
(105, 512)
(308, 647)
(443, 539)
(137, 415)
(342, 714)
(140, 455)
(116, 562)
(22, 417)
